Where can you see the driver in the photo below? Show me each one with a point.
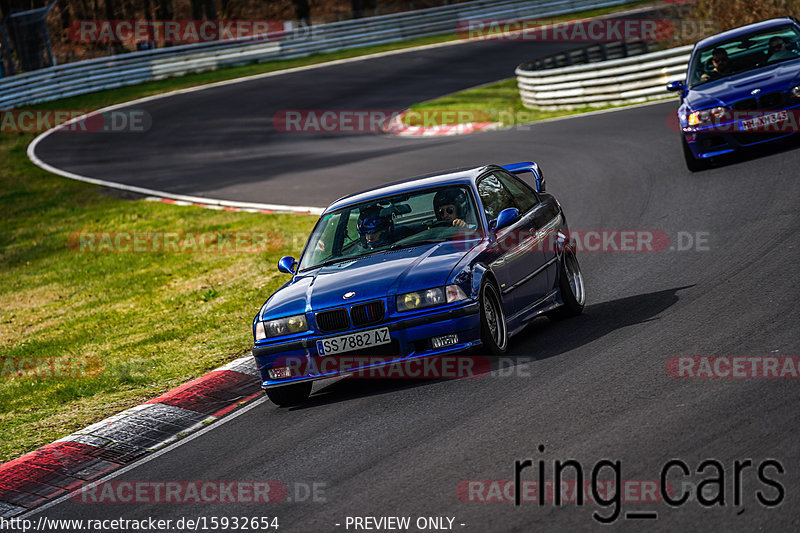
(719, 65)
(374, 229)
(450, 206)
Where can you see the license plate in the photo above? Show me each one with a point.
(353, 341)
(762, 121)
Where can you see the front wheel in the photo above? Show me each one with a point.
(494, 333)
(570, 283)
(289, 395)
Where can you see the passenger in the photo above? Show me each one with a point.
(374, 229)
(778, 50)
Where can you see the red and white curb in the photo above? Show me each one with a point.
(56, 469)
(223, 207)
(397, 127)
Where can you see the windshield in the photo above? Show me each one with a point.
(745, 53)
(422, 217)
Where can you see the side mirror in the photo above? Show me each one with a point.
(287, 264)
(675, 86)
(505, 218)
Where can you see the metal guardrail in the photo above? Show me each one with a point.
(589, 54)
(619, 81)
(137, 67)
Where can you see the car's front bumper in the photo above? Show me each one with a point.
(711, 141)
(411, 339)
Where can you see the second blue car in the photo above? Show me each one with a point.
(742, 89)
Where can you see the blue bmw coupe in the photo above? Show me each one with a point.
(742, 89)
(436, 265)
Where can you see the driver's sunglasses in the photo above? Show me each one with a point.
(446, 210)
(776, 47)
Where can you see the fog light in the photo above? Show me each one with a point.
(444, 340)
(280, 372)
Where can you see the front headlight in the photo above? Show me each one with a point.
(429, 297)
(707, 116)
(795, 91)
(282, 326)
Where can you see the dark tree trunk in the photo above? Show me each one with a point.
(111, 9)
(210, 10)
(197, 9)
(302, 11)
(164, 10)
(358, 8)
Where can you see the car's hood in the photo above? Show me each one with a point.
(370, 277)
(740, 86)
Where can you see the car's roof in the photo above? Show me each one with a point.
(461, 176)
(744, 30)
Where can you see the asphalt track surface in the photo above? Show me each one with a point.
(589, 388)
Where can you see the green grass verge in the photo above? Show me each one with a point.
(496, 102)
(121, 327)
(94, 331)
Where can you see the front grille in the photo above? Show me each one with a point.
(333, 320)
(367, 314)
(771, 100)
(748, 104)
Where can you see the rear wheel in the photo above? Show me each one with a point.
(570, 283)
(692, 163)
(288, 395)
(494, 333)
